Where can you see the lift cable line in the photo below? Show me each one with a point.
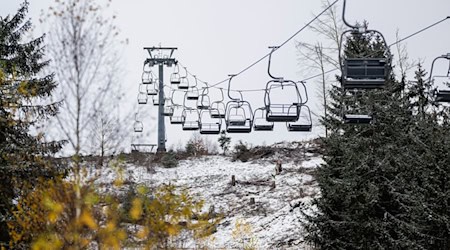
(281, 45)
(317, 75)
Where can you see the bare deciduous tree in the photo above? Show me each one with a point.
(323, 56)
(83, 45)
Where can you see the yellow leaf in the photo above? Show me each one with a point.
(87, 220)
(136, 209)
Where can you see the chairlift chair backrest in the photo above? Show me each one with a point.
(175, 76)
(177, 116)
(138, 125)
(304, 123)
(184, 81)
(239, 117)
(191, 119)
(151, 89)
(168, 107)
(147, 78)
(203, 100)
(208, 125)
(363, 71)
(441, 95)
(142, 95)
(260, 122)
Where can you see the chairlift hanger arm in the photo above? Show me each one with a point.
(273, 48)
(344, 6)
(229, 89)
(446, 56)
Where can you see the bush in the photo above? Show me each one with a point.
(169, 159)
(196, 146)
(242, 152)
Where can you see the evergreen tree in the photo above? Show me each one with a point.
(371, 184)
(224, 142)
(23, 95)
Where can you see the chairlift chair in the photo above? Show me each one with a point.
(142, 95)
(358, 118)
(441, 95)
(285, 109)
(363, 71)
(151, 89)
(304, 123)
(192, 93)
(138, 125)
(239, 117)
(184, 81)
(238, 113)
(260, 122)
(175, 77)
(353, 109)
(218, 108)
(155, 100)
(177, 116)
(168, 107)
(147, 77)
(282, 112)
(191, 120)
(209, 126)
(203, 101)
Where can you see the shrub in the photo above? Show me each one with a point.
(242, 152)
(169, 160)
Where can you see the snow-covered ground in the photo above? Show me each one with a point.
(274, 218)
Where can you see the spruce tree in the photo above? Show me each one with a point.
(364, 200)
(23, 104)
(384, 185)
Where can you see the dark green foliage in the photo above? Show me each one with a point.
(22, 104)
(242, 152)
(169, 160)
(384, 185)
(224, 142)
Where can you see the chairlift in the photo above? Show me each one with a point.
(155, 100)
(191, 119)
(151, 89)
(177, 116)
(358, 119)
(175, 77)
(147, 77)
(184, 81)
(138, 125)
(239, 115)
(363, 71)
(209, 126)
(285, 109)
(168, 107)
(441, 95)
(218, 108)
(192, 93)
(304, 123)
(353, 113)
(142, 95)
(203, 100)
(260, 122)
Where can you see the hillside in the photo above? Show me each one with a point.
(274, 218)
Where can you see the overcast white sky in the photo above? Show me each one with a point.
(216, 38)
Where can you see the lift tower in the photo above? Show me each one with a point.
(161, 56)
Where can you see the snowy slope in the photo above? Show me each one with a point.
(274, 223)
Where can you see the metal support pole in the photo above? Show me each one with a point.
(161, 125)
